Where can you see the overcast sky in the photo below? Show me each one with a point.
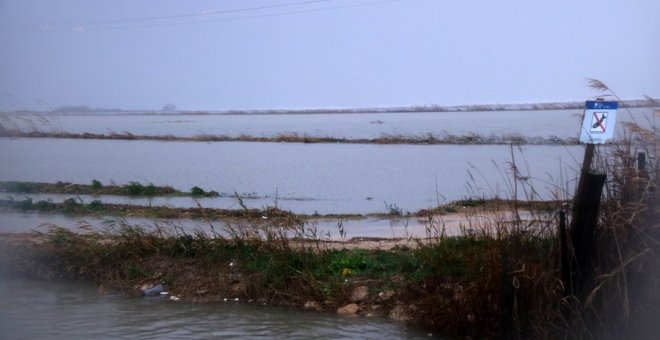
(230, 54)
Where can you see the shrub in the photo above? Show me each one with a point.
(96, 205)
(45, 205)
(96, 185)
(70, 205)
(149, 190)
(197, 191)
(25, 204)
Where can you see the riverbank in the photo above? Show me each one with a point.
(425, 282)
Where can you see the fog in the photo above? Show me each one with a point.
(317, 54)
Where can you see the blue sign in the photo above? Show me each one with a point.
(601, 105)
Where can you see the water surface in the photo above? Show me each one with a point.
(305, 178)
(540, 123)
(73, 310)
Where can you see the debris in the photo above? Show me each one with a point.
(155, 290)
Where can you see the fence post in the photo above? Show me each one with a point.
(583, 228)
(564, 264)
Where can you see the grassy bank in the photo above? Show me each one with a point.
(441, 283)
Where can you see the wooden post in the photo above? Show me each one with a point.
(586, 166)
(641, 164)
(583, 228)
(564, 264)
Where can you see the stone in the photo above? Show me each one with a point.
(385, 296)
(238, 288)
(400, 313)
(312, 305)
(349, 309)
(359, 293)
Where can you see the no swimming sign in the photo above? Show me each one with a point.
(598, 122)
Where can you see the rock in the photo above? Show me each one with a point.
(238, 287)
(312, 305)
(349, 309)
(385, 296)
(359, 293)
(400, 313)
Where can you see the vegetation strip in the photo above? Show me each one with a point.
(428, 139)
(97, 188)
(97, 207)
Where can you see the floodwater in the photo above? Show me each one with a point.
(304, 178)
(362, 125)
(74, 310)
(328, 229)
(542, 123)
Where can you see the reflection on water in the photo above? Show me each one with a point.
(73, 310)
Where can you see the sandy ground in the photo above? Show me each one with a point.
(375, 233)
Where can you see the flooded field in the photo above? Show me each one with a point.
(306, 178)
(562, 124)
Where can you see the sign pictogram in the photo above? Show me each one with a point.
(598, 122)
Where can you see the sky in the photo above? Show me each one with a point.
(279, 54)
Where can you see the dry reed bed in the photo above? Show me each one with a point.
(422, 139)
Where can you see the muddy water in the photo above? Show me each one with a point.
(74, 310)
(308, 178)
